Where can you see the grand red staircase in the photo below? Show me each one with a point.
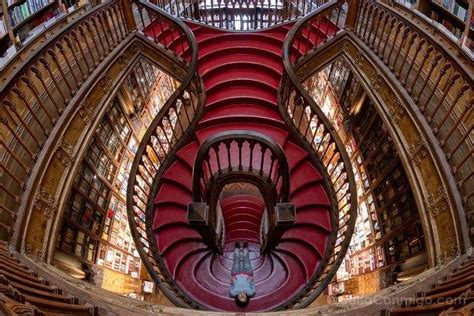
(241, 74)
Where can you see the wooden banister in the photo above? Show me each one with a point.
(165, 135)
(255, 159)
(438, 81)
(34, 96)
(235, 15)
(317, 133)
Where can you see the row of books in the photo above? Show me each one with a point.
(21, 12)
(408, 3)
(11, 2)
(3, 27)
(454, 8)
(456, 31)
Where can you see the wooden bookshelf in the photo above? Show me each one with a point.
(6, 34)
(35, 15)
(16, 3)
(452, 17)
(33, 24)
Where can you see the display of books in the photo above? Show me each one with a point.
(21, 12)
(3, 27)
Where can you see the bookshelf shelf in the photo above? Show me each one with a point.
(450, 14)
(16, 3)
(33, 16)
(454, 18)
(16, 37)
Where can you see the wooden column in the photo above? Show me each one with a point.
(352, 14)
(8, 23)
(128, 14)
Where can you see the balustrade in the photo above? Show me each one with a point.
(317, 30)
(239, 15)
(38, 92)
(437, 84)
(307, 119)
(166, 133)
(237, 156)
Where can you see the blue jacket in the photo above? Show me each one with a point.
(242, 282)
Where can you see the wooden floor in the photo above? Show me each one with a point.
(452, 296)
(24, 292)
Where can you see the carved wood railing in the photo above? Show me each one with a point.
(439, 86)
(36, 94)
(24, 52)
(318, 135)
(451, 44)
(240, 15)
(316, 29)
(237, 156)
(167, 132)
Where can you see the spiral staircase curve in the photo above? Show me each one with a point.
(241, 74)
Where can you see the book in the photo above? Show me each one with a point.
(23, 11)
(3, 27)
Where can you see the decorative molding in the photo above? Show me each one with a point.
(174, 68)
(345, 45)
(396, 111)
(134, 48)
(122, 60)
(377, 81)
(417, 151)
(85, 111)
(105, 83)
(359, 60)
(447, 255)
(437, 201)
(44, 202)
(65, 152)
(35, 253)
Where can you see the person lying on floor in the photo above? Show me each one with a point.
(242, 282)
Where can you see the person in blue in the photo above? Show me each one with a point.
(242, 282)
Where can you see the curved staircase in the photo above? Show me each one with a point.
(241, 74)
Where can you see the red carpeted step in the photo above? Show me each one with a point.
(173, 214)
(310, 234)
(241, 70)
(242, 119)
(239, 200)
(172, 193)
(203, 275)
(312, 214)
(310, 195)
(230, 100)
(253, 111)
(242, 218)
(177, 255)
(231, 55)
(302, 175)
(218, 41)
(169, 36)
(240, 86)
(187, 154)
(294, 154)
(277, 134)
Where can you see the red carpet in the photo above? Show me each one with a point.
(241, 73)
